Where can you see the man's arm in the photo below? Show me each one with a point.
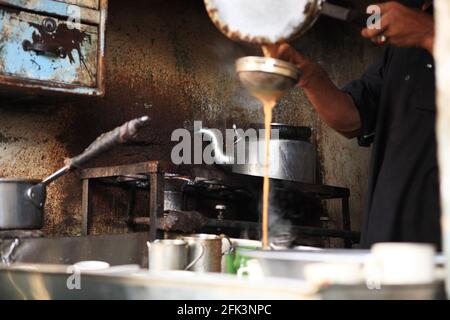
(335, 107)
(402, 26)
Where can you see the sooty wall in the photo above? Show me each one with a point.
(164, 58)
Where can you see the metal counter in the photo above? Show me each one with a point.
(50, 282)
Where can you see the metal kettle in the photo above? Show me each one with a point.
(292, 155)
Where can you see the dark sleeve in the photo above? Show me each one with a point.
(366, 93)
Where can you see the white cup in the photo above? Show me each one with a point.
(400, 264)
(91, 266)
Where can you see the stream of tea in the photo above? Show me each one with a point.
(269, 101)
(268, 107)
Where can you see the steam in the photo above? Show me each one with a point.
(280, 228)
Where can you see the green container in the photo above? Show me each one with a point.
(234, 260)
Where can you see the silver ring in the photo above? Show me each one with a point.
(382, 39)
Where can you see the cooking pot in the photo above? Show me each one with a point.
(274, 21)
(22, 200)
(292, 157)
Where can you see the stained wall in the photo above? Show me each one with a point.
(164, 58)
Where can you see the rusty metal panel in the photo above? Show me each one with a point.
(55, 8)
(79, 65)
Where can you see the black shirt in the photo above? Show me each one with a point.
(396, 101)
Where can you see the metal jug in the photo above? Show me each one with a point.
(211, 245)
(165, 255)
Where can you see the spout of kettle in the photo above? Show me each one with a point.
(238, 134)
(216, 138)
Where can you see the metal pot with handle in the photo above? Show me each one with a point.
(274, 21)
(210, 245)
(171, 254)
(22, 200)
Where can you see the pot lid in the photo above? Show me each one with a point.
(287, 132)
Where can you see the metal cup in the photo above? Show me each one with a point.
(165, 255)
(211, 245)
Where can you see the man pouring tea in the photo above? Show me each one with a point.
(392, 108)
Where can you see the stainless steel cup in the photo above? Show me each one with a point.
(165, 255)
(211, 245)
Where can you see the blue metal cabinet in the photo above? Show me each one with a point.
(50, 46)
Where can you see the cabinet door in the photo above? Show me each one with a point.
(47, 50)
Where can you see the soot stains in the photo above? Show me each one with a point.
(6, 139)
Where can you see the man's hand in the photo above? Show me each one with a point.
(311, 71)
(403, 27)
(335, 107)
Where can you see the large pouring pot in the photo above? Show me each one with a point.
(274, 21)
(22, 200)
